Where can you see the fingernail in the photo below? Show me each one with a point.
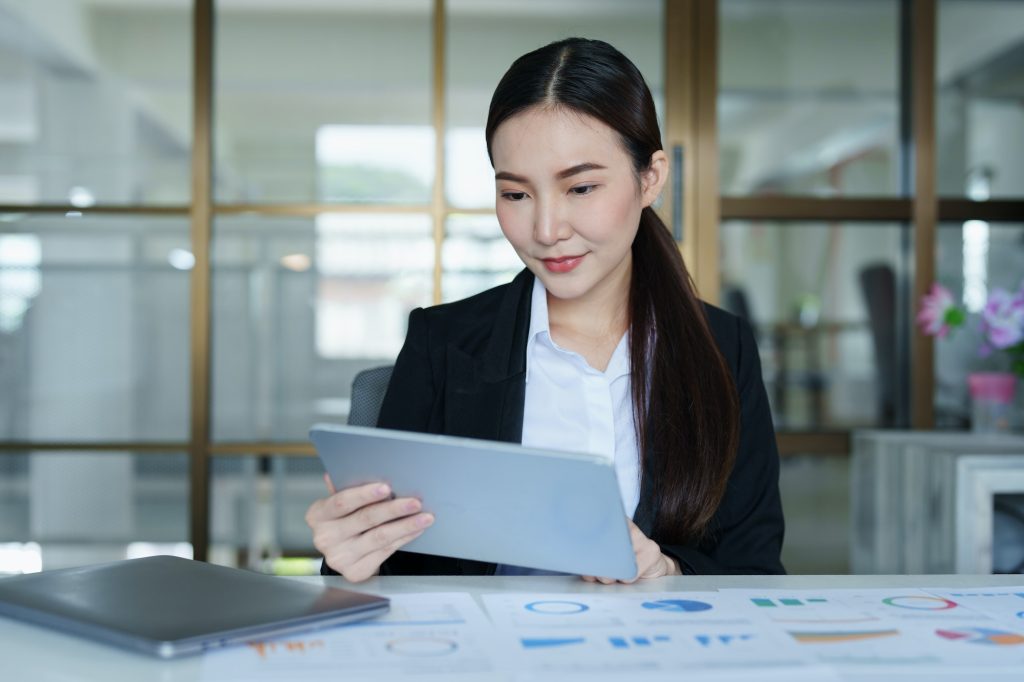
(412, 505)
(382, 490)
(424, 520)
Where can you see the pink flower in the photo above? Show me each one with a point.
(938, 312)
(1002, 320)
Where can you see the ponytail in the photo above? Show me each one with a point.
(684, 399)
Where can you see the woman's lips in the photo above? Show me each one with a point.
(563, 264)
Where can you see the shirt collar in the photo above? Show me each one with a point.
(538, 320)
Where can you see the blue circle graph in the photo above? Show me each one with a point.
(676, 605)
(557, 608)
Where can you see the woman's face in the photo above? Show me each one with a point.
(568, 199)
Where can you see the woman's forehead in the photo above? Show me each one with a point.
(550, 138)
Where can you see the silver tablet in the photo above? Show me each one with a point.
(167, 606)
(495, 502)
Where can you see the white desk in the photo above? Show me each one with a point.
(34, 654)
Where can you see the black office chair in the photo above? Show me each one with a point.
(368, 389)
(878, 285)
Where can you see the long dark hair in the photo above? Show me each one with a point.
(684, 399)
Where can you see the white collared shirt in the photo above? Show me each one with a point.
(573, 407)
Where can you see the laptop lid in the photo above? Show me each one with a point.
(168, 606)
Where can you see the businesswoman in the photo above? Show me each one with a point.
(600, 344)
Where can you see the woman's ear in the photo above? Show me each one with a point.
(653, 179)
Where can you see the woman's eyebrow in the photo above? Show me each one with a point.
(578, 168)
(505, 175)
(561, 175)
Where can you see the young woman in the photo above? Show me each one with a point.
(600, 344)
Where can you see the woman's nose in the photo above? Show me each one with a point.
(549, 225)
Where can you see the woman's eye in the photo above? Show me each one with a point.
(514, 196)
(582, 189)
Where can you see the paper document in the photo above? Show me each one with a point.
(887, 631)
(442, 636)
(724, 636)
(628, 634)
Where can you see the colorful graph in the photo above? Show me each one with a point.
(835, 636)
(710, 640)
(550, 642)
(630, 642)
(772, 603)
(920, 603)
(676, 605)
(557, 608)
(982, 636)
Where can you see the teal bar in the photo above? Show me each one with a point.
(791, 602)
(763, 602)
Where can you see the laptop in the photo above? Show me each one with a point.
(494, 502)
(168, 606)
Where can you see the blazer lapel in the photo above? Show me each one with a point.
(486, 392)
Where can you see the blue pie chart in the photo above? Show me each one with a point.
(676, 605)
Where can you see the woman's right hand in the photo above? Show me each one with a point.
(357, 528)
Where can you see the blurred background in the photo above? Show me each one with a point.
(301, 174)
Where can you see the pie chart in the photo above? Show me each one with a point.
(676, 605)
(920, 603)
(982, 636)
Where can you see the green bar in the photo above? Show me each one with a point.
(817, 599)
(763, 602)
(791, 602)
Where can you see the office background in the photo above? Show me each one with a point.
(213, 214)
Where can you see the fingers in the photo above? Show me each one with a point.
(330, 484)
(344, 502)
(369, 565)
(603, 581)
(360, 558)
(384, 535)
(373, 515)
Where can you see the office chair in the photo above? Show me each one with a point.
(368, 389)
(878, 285)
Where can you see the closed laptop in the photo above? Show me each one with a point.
(167, 606)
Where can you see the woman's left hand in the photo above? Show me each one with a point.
(650, 562)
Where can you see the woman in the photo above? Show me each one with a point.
(600, 344)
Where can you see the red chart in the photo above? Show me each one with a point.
(982, 636)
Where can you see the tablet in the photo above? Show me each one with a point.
(494, 502)
(167, 606)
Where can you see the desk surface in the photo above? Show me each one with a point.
(32, 653)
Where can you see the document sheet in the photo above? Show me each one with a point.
(731, 634)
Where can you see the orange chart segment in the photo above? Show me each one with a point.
(835, 636)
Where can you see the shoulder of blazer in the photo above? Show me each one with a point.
(491, 326)
(726, 328)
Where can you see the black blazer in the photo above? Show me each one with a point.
(462, 372)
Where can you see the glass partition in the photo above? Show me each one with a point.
(979, 89)
(84, 120)
(821, 298)
(300, 305)
(94, 327)
(323, 102)
(72, 508)
(808, 100)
